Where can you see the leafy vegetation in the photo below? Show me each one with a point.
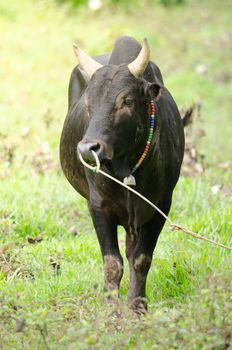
(51, 279)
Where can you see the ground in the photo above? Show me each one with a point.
(51, 278)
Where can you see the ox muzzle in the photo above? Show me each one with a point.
(103, 151)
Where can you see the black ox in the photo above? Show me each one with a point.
(109, 112)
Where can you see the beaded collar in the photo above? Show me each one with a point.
(130, 180)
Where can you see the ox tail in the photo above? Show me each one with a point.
(188, 115)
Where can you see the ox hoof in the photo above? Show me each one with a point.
(138, 306)
(112, 297)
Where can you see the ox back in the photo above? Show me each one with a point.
(109, 112)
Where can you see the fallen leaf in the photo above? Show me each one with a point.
(38, 239)
(25, 132)
(42, 160)
(225, 191)
(199, 168)
(201, 68)
(20, 325)
(73, 230)
(215, 189)
(225, 165)
(31, 240)
(55, 263)
(4, 248)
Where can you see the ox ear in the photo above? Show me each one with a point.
(153, 90)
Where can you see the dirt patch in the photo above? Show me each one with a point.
(11, 266)
(193, 162)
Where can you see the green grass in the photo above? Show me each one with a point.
(51, 292)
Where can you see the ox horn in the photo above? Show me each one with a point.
(138, 66)
(87, 63)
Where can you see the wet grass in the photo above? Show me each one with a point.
(51, 279)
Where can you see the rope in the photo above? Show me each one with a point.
(173, 225)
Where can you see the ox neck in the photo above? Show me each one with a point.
(130, 180)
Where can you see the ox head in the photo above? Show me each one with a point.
(117, 100)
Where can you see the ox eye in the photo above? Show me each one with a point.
(128, 102)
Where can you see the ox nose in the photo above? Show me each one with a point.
(85, 149)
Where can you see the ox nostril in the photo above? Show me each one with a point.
(88, 147)
(85, 149)
(95, 147)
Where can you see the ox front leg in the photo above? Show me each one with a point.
(139, 266)
(106, 229)
(139, 253)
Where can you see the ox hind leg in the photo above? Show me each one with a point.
(139, 251)
(106, 229)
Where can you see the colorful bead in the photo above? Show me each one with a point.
(150, 134)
